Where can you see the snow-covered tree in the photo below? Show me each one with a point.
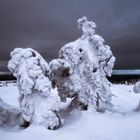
(37, 102)
(82, 68)
(9, 115)
(136, 88)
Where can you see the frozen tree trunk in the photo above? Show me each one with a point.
(136, 88)
(36, 100)
(82, 68)
(9, 115)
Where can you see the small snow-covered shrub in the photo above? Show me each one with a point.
(82, 68)
(36, 100)
(9, 115)
(136, 88)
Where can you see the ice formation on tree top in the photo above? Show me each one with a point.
(82, 68)
(104, 54)
(36, 100)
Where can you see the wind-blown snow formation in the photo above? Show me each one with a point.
(82, 68)
(37, 102)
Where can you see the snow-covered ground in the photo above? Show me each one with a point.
(84, 125)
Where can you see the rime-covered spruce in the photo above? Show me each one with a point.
(82, 68)
(37, 102)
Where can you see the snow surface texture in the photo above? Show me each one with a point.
(37, 102)
(84, 125)
(137, 87)
(82, 67)
(9, 115)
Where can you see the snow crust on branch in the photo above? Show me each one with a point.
(82, 68)
(36, 100)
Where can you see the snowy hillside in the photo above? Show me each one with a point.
(84, 125)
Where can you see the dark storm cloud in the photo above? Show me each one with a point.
(46, 25)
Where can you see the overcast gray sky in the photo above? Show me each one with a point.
(46, 25)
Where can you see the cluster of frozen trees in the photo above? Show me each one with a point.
(79, 73)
